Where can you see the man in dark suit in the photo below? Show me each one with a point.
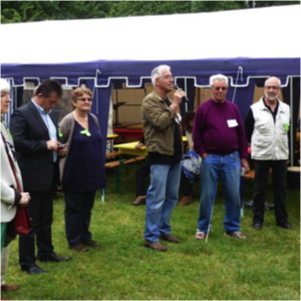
(34, 133)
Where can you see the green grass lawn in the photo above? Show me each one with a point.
(265, 266)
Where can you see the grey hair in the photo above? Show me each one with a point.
(157, 72)
(218, 77)
(4, 85)
(273, 77)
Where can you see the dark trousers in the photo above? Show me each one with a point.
(40, 209)
(141, 176)
(279, 171)
(186, 185)
(78, 207)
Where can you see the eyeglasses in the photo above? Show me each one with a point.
(220, 88)
(85, 98)
(272, 87)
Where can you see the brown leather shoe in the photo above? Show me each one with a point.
(185, 200)
(237, 234)
(6, 287)
(170, 238)
(140, 200)
(157, 246)
(80, 248)
(91, 243)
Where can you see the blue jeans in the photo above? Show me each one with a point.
(162, 196)
(227, 169)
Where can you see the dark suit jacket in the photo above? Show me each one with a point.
(30, 134)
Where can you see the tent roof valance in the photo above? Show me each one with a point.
(239, 71)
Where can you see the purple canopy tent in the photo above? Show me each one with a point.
(96, 52)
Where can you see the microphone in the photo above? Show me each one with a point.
(176, 87)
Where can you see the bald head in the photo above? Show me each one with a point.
(272, 88)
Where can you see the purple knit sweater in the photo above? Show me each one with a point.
(215, 132)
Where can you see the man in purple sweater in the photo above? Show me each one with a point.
(219, 138)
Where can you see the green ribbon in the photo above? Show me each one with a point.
(286, 127)
(85, 132)
(60, 133)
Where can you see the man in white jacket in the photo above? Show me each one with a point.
(267, 126)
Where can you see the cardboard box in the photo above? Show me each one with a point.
(148, 88)
(201, 95)
(129, 114)
(130, 96)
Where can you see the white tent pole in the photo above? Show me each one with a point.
(292, 120)
(185, 89)
(239, 71)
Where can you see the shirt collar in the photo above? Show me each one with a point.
(40, 109)
(268, 107)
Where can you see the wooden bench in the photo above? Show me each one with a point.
(112, 155)
(114, 164)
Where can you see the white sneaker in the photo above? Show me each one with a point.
(200, 234)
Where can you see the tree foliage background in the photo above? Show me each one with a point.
(29, 11)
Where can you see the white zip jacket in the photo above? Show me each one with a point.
(269, 139)
(8, 181)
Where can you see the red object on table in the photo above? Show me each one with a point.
(124, 132)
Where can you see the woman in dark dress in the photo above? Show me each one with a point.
(83, 168)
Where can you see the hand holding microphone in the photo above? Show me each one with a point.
(176, 87)
(177, 99)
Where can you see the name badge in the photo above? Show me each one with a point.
(232, 123)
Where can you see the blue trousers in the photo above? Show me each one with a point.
(162, 196)
(227, 169)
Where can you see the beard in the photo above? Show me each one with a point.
(271, 98)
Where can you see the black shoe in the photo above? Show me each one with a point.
(33, 270)
(257, 226)
(53, 258)
(286, 226)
